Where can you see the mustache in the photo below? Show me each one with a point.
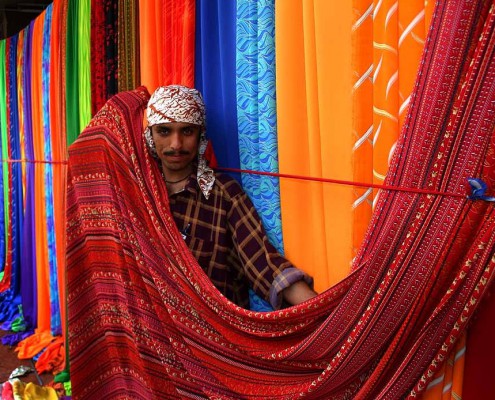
(176, 153)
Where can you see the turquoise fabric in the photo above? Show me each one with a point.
(256, 116)
(55, 323)
(256, 110)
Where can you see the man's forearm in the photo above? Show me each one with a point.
(298, 292)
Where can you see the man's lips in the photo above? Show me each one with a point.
(176, 155)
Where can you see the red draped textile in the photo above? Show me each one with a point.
(166, 42)
(145, 321)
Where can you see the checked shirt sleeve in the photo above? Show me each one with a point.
(268, 272)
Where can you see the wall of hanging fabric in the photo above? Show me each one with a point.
(316, 88)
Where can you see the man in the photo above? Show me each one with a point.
(216, 218)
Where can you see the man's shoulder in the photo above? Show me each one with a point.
(228, 186)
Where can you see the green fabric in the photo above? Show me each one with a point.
(4, 135)
(68, 388)
(84, 57)
(62, 377)
(72, 74)
(18, 325)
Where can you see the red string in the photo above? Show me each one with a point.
(343, 182)
(290, 176)
(10, 161)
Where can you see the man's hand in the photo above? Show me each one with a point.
(298, 292)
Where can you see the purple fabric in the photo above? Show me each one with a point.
(28, 253)
(14, 338)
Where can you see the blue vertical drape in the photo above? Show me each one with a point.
(16, 168)
(55, 323)
(256, 110)
(215, 76)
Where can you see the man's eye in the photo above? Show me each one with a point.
(188, 131)
(163, 131)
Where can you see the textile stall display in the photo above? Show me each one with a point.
(377, 116)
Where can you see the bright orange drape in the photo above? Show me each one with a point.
(166, 42)
(58, 140)
(42, 266)
(313, 61)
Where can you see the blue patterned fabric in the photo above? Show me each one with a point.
(256, 115)
(256, 110)
(55, 324)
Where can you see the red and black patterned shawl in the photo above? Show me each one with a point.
(145, 322)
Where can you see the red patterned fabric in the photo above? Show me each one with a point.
(145, 322)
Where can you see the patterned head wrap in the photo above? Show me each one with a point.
(176, 103)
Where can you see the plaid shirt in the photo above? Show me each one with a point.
(226, 236)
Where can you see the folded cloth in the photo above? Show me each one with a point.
(33, 344)
(53, 358)
(7, 391)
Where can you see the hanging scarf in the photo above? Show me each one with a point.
(144, 318)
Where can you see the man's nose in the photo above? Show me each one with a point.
(175, 141)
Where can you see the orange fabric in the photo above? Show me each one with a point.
(170, 59)
(58, 138)
(33, 344)
(385, 93)
(42, 266)
(313, 59)
(53, 358)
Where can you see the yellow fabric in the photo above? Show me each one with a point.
(313, 59)
(31, 391)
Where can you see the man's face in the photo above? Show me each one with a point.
(177, 146)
